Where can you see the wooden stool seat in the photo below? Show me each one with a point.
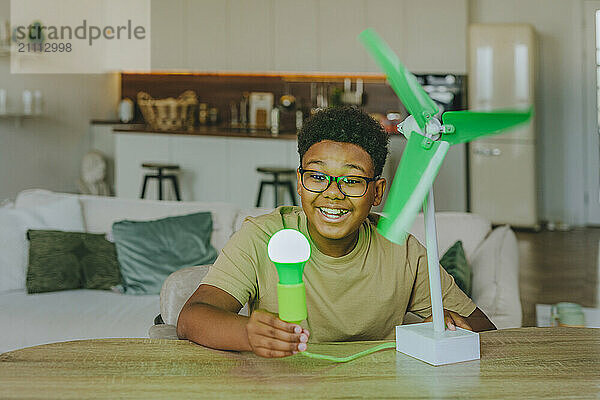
(275, 170)
(160, 176)
(151, 165)
(286, 181)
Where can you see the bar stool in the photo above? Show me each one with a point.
(160, 176)
(279, 179)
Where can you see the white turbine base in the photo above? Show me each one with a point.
(437, 348)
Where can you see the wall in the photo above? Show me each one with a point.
(311, 35)
(559, 105)
(46, 152)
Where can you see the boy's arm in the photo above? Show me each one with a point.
(476, 322)
(479, 321)
(210, 318)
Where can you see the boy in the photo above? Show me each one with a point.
(359, 285)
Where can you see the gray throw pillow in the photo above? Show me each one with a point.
(149, 251)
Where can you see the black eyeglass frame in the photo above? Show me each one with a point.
(331, 178)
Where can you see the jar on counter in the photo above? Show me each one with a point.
(203, 113)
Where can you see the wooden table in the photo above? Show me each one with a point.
(515, 363)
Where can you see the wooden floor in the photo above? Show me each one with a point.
(558, 266)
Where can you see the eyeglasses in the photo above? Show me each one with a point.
(349, 185)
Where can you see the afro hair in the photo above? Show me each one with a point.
(346, 124)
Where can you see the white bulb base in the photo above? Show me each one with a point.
(437, 348)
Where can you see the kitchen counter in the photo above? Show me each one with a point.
(219, 164)
(223, 131)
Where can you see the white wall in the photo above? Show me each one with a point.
(308, 35)
(559, 105)
(46, 152)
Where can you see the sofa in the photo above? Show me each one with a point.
(34, 319)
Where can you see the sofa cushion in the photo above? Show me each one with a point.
(54, 261)
(177, 289)
(60, 214)
(149, 251)
(70, 260)
(496, 278)
(470, 229)
(34, 319)
(99, 264)
(455, 263)
(101, 212)
(249, 212)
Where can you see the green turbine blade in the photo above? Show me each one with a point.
(405, 85)
(418, 168)
(469, 125)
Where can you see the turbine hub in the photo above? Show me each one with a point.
(433, 129)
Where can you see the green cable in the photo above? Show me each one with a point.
(353, 356)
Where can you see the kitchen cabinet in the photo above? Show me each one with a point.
(168, 42)
(435, 36)
(248, 155)
(251, 36)
(387, 17)
(205, 35)
(131, 151)
(313, 35)
(204, 164)
(296, 44)
(339, 26)
(213, 168)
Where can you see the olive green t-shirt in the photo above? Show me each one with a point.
(360, 296)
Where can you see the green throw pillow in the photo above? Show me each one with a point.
(455, 263)
(99, 262)
(70, 260)
(149, 251)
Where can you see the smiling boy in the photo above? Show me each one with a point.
(359, 285)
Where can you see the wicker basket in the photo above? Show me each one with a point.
(169, 114)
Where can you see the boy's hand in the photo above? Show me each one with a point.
(271, 337)
(452, 320)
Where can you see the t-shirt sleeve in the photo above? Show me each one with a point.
(234, 270)
(453, 298)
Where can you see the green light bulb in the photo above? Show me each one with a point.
(289, 250)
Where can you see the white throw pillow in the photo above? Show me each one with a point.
(496, 278)
(62, 214)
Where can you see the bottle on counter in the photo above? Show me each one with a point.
(213, 115)
(126, 110)
(233, 107)
(275, 114)
(244, 109)
(299, 119)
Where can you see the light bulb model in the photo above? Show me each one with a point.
(289, 250)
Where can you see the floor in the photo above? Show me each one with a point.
(558, 266)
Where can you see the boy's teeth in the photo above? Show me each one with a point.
(333, 211)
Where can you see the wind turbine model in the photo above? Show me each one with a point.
(428, 143)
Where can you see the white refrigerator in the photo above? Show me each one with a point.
(502, 168)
